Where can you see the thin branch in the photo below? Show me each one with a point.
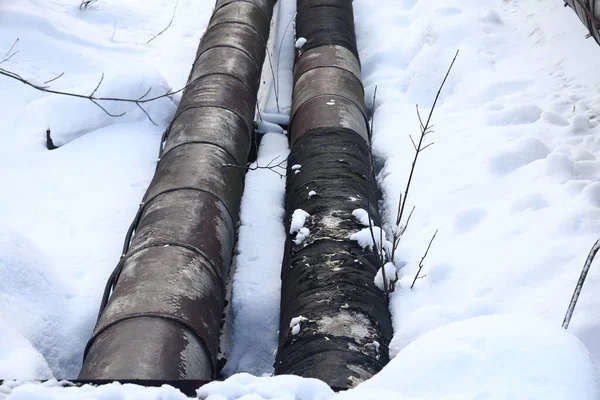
(98, 85)
(91, 97)
(423, 259)
(580, 282)
(86, 3)
(401, 230)
(145, 94)
(168, 26)
(55, 78)
(13, 46)
(426, 146)
(413, 143)
(10, 54)
(425, 129)
(270, 166)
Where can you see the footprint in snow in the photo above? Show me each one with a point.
(515, 115)
(467, 220)
(520, 153)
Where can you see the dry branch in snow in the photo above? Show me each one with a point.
(423, 259)
(426, 128)
(272, 166)
(92, 96)
(580, 282)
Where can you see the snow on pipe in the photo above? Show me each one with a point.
(335, 324)
(588, 12)
(163, 318)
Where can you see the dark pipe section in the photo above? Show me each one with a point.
(328, 279)
(162, 321)
(588, 12)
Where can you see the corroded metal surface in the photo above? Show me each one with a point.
(327, 22)
(334, 323)
(326, 56)
(328, 111)
(326, 81)
(163, 318)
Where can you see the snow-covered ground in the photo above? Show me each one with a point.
(512, 183)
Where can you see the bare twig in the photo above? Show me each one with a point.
(114, 30)
(168, 26)
(423, 259)
(376, 249)
(91, 97)
(86, 3)
(580, 282)
(13, 46)
(55, 78)
(10, 54)
(270, 166)
(426, 128)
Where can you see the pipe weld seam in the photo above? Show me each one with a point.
(243, 1)
(206, 142)
(204, 50)
(172, 190)
(250, 127)
(242, 81)
(157, 315)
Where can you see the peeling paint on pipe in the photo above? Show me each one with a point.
(334, 323)
(163, 318)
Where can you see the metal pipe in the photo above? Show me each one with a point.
(588, 12)
(334, 324)
(163, 319)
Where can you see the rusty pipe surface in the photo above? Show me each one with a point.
(163, 318)
(334, 323)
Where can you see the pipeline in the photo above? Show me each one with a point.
(163, 319)
(588, 12)
(334, 322)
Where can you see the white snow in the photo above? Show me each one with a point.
(302, 235)
(390, 275)
(494, 357)
(511, 183)
(300, 42)
(299, 217)
(254, 318)
(295, 324)
(512, 179)
(367, 237)
(64, 213)
(362, 216)
(266, 127)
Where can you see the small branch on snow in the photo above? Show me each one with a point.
(270, 166)
(92, 97)
(426, 128)
(167, 27)
(86, 3)
(421, 262)
(580, 282)
(10, 54)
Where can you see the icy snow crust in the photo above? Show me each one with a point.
(511, 183)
